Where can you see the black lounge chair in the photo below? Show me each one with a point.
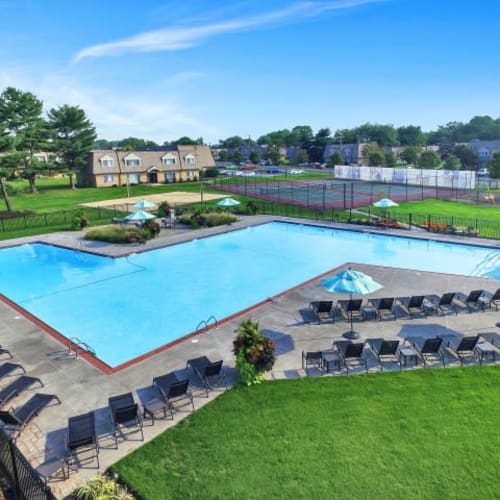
(446, 302)
(466, 345)
(82, 438)
(323, 310)
(428, 349)
(124, 412)
(207, 370)
(384, 306)
(16, 387)
(172, 389)
(351, 352)
(7, 369)
(385, 351)
(489, 300)
(473, 300)
(417, 304)
(3, 350)
(350, 308)
(16, 419)
(312, 358)
(492, 337)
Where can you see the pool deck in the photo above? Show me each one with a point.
(287, 319)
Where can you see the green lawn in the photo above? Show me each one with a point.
(417, 434)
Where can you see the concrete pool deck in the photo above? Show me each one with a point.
(287, 319)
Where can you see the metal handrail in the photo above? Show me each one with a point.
(81, 344)
(206, 323)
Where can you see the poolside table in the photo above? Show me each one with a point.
(408, 354)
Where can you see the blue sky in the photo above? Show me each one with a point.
(215, 68)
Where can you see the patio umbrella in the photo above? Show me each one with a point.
(228, 202)
(351, 282)
(142, 204)
(385, 203)
(140, 215)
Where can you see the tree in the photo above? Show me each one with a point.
(233, 142)
(223, 155)
(429, 159)
(318, 144)
(254, 156)
(237, 157)
(302, 157)
(73, 137)
(466, 155)
(494, 166)
(373, 154)
(21, 117)
(335, 159)
(186, 141)
(452, 162)
(410, 155)
(390, 159)
(274, 155)
(411, 136)
(6, 168)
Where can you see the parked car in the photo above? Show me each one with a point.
(273, 170)
(296, 171)
(482, 172)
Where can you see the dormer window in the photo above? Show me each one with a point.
(107, 161)
(190, 159)
(132, 161)
(169, 159)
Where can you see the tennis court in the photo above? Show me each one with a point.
(333, 193)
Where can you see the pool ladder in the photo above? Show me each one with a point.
(205, 323)
(76, 345)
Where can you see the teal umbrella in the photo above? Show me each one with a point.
(351, 282)
(142, 204)
(140, 215)
(228, 202)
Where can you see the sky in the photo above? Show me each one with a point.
(160, 70)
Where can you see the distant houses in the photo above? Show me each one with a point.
(109, 167)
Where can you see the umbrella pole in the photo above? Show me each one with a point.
(351, 334)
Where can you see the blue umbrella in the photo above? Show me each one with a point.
(385, 203)
(228, 202)
(140, 215)
(141, 204)
(351, 282)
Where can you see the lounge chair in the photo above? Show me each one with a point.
(172, 389)
(16, 419)
(3, 350)
(385, 351)
(416, 304)
(445, 303)
(492, 338)
(82, 437)
(427, 349)
(351, 352)
(384, 306)
(489, 300)
(323, 310)
(124, 412)
(7, 369)
(16, 387)
(207, 370)
(473, 300)
(312, 358)
(466, 345)
(350, 308)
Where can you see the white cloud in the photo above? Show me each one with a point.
(178, 38)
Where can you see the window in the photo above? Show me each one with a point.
(169, 176)
(108, 178)
(133, 162)
(107, 163)
(190, 160)
(169, 160)
(133, 178)
(190, 175)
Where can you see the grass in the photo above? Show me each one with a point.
(416, 434)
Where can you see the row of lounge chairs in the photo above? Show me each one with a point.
(126, 415)
(413, 350)
(388, 307)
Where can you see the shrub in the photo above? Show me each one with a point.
(103, 488)
(118, 235)
(252, 207)
(210, 219)
(164, 209)
(152, 227)
(253, 348)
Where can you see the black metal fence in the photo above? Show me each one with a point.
(25, 483)
(334, 193)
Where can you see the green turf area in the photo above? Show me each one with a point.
(417, 434)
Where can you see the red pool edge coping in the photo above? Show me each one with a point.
(109, 370)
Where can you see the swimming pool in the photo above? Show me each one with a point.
(126, 307)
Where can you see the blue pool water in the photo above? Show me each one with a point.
(129, 306)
